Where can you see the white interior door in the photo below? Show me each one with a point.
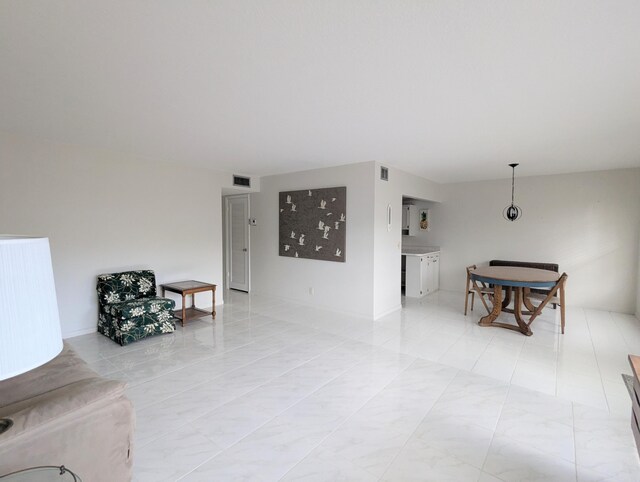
(238, 242)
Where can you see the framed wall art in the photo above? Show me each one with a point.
(313, 223)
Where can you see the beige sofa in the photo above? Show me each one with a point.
(65, 414)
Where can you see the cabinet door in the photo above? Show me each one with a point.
(413, 277)
(413, 223)
(436, 273)
(424, 278)
(427, 277)
(432, 275)
(405, 217)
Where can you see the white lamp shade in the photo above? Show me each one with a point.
(29, 321)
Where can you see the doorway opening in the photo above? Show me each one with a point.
(237, 242)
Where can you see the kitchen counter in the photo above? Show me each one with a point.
(420, 270)
(420, 250)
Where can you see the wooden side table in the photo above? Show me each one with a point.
(191, 287)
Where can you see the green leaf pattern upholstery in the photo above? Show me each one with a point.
(128, 308)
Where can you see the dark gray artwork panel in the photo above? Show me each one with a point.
(313, 223)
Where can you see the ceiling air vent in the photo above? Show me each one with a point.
(384, 173)
(241, 181)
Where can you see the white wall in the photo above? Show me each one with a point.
(638, 293)
(586, 222)
(344, 286)
(368, 283)
(104, 212)
(388, 244)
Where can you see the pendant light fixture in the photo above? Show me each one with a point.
(512, 212)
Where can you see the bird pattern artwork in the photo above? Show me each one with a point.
(314, 220)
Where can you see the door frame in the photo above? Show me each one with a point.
(227, 236)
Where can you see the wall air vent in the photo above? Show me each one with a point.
(384, 173)
(241, 181)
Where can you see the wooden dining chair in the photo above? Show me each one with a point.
(555, 296)
(482, 289)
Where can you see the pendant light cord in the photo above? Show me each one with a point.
(513, 177)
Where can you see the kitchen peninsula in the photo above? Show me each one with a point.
(420, 270)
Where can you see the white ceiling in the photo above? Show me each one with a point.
(450, 90)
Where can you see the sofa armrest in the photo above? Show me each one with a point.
(63, 370)
(37, 412)
(86, 426)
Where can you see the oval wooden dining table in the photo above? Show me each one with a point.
(520, 281)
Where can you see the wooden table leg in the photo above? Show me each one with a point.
(517, 305)
(184, 309)
(213, 307)
(497, 307)
(527, 301)
(507, 296)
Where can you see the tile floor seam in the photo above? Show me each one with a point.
(483, 352)
(602, 377)
(575, 445)
(544, 452)
(179, 367)
(350, 416)
(541, 452)
(187, 366)
(207, 324)
(211, 357)
(514, 369)
(493, 437)
(276, 416)
(436, 320)
(196, 386)
(270, 380)
(418, 426)
(555, 391)
(595, 354)
(134, 348)
(228, 401)
(164, 355)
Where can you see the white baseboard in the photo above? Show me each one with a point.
(311, 304)
(388, 312)
(85, 331)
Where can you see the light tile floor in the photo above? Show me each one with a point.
(272, 390)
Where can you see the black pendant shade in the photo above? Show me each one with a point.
(512, 212)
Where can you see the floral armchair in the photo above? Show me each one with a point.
(128, 308)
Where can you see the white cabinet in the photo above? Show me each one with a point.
(422, 275)
(415, 277)
(433, 272)
(410, 221)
